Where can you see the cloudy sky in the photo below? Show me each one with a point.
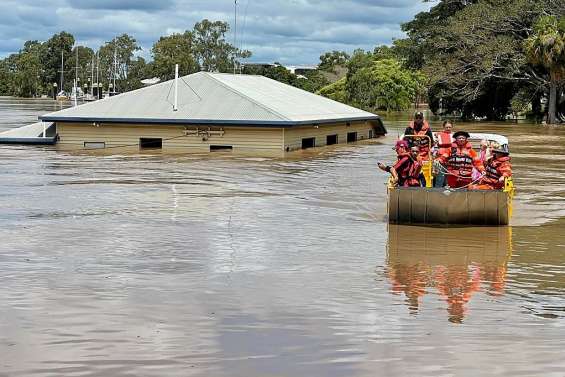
(288, 31)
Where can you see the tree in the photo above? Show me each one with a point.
(171, 50)
(116, 58)
(211, 50)
(330, 60)
(138, 70)
(336, 91)
(546, 48)
(26, 81)
(81, 67)
(472, 52)
(385, 84)
(62, 42)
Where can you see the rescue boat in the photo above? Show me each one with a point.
(451, 206)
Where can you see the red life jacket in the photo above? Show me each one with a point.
(421, 142)
(445, 140)
(460, 162)
(413, 178)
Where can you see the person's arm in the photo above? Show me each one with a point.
(442, 158)
(477, 163)
(383, 167)
(505, 170)
(394, 174)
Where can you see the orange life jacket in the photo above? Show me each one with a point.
(495, 169)
(423, 141)
(460, 161)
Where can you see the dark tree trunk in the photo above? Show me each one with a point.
(552, 114)
(536, 105)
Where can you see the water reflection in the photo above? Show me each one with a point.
(453, 263)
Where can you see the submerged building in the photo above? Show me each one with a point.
(214, 111)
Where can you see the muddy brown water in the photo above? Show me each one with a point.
(226, 265)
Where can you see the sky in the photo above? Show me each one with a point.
(292, 32)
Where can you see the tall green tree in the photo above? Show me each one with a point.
(62, 42)
(79, 64)
(171, 50)
(211, 50)
(329, 61)
(115, 59)
(385, 84)
(546, 48)
(473, 53)
(28, 70)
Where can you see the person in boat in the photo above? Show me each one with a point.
(460, 160)
(420, 128)
(444, 140)
(497, 169)
(484, 155)
(406, 171)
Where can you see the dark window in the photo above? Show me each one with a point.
(370, 134)
(220, 148)
(148, 143)
(331, 139)
(351, 137)
(309, 142)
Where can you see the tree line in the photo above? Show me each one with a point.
(489, 58)
(470, 58)
(36, 68)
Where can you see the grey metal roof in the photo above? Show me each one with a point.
(215, 98)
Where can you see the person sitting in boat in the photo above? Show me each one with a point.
(420, 128)
(460, 160)
(444, 140)
(484, 155)
(406, 170)
(497, 169)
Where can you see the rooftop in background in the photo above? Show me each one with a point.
(215, 98)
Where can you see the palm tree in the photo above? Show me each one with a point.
(546, 47)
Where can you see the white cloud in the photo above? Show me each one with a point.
(288, 31)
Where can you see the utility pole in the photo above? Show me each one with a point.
(62, 69)
(115, 69)
(235, 32)
(92, 77)
(97, 76)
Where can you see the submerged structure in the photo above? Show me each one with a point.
(211, 111)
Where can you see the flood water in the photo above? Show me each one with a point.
(226, 265)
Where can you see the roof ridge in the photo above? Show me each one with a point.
(247, 97)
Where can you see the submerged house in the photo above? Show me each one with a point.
(212, 111)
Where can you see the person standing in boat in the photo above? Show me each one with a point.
(406, 171)
(460, 160)
(424, 136)
(444, 140)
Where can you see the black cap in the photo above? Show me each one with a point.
(461, 133)
(419, 115)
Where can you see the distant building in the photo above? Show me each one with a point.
(215, 112)
(151, 81)
(301, 70)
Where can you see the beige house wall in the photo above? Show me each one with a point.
(293, 136)
(178, 138)
(193, 138)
